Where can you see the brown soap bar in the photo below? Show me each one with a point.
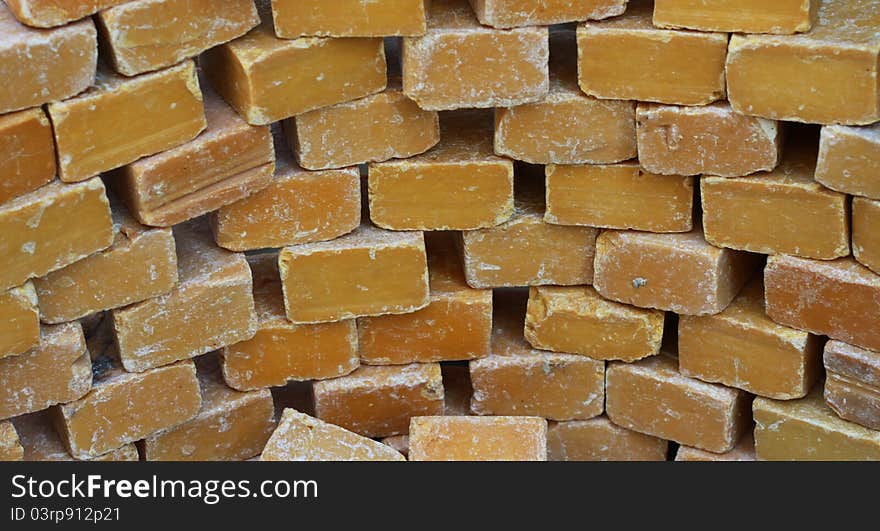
(478, 439)
(41, 441)
(120, 120)
(348, 18)
(146, 35)
(27, 153)
(598, 439)
(514, 13)
(743, 451)
(651, 396)
(739, 16)
(300, 437)
(20, 320)
(839, 299)
(461, 64)
(852, 389)
(849, 159)
(680, 273)
(866, 232)
(10, 445)
(619, 196)
(213, 302)
(50, 13)
(457, 389)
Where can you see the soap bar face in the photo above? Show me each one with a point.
(741, 347)
(368, 272)
(599, 439)
(50, 13)
(36, 233)
(865, 233)
(44, 65)
(578, 320)
(739, 16)
(120, 120)
(10, 446)
(849, 159)
(676, 140)
(514, 13)
(806, 294)
(138, 44)
(41, 441)
(852, 389)
(282, 351)
(652, 397)
(461, 64)
(20, 320)
(300, 437)
(348, 18)
(619, 196)
(680, 273)
(743, 451)
(27, 153)
(478, 439)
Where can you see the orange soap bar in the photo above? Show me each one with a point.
(120, 120)
(741, 347)
(49, 13)
(676, 140)
(27, 153)
(348, 18)
(20, 320)
(652, 397)
(598, 439)
(368, 272)
(627, 58)
(849, 159)
(379, 401)
(478, 439)
(10, 445)
(282, 351)
(514, 13)
(839, 299)
(743, 451)
(619, 196)
(578, 320)
(456, 324)
(41, 441)
(146, 35)
(740, 16)
(852, 389)
(866, 232)
(680, 273)
(213, 302)
(462, 64)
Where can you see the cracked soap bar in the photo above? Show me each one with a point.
(852, 389)
(598, 439)
(27, 153)
(743, 451)
(19, 320)
(478, 439)
(866, 232)
(50, 13)
(849, 159)
(349, 18)
(515, 13)
(737, 16)
(10, 445)
(41, 441)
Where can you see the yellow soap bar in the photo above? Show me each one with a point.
(866, 232)
(348, 18)
(739, 16)
(41, 441)
(514, 13)
(49, 13)
(20, 320)
(598, 439)
(478, 439)
(849, 159)
(27, 153)
(852, 389)
(10, 445)
(743, 451)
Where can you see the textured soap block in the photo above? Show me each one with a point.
(50, 13)
(456, 324)
(579, 321)
(458, 185)
(41, 441)
(681, 273)
(348, 18)
(866, 232)
(599, 439)
(27, 153)
(739, 16)
(514, 13)
(368, 272)
(627, 58)
(148, 35)
(743, 451)
(379, 401)
(478, 439)
(828, 75)
(119, 120)
(741, 347)
(652, 397)
(37, 235)
(10, 445)
(852, 389)
(282, 351)
(300, 437)
(839, 299)
(213, 302)
(20, 320)
(461, 64)
(618, 196)
(849, 159)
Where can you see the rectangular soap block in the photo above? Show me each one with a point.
(146, 35)
(379, 401)
(618, 196)
(852, 388)
(36, 233)
(741, 347)
(651, 396)
(839, 298)
(515, 13)
(368, 272)
(41, 441)
(737, 16)
(866, 232)
(348, 18)
(27, 153)
(849, 159)
(10, 445)
(681, 273)
(50, 13)
(827, 76)
(20, 320)
(459, 63)
(212, 301)
(282, 351)
(598, 439)
(478, 439)
(743, 451)
(119, 120)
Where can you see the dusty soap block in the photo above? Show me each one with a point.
(866, 232)
(148, 35)
(741, 347)
(461, 64)
(10, 445)
(300, 437)
(828, 75)
(680, 273)
(739, 16)
(348, 18)
(282, 351)
(368, 272)
(839, 299)
(618, 196)
(27, 153)
(37, 235)
(213, 302)
(120, 120)
(676, 140)
(652, 397)
(50, 13)
(515, 13)
(627, 58)
(598, 439)
(579, 321)
(849, 159)
(41, 441)
(743, 451)
(20, 320)
(852, 389)
(478, 439)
